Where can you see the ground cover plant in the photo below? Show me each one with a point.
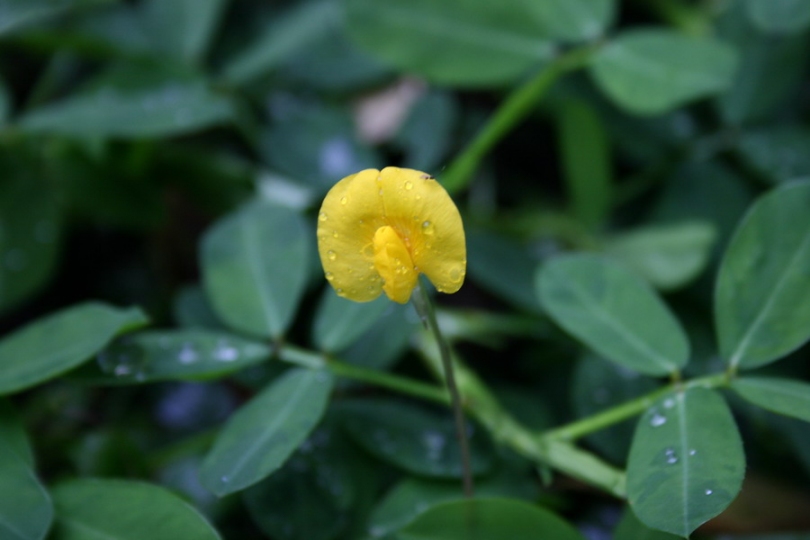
(214, 325)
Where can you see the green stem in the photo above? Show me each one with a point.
(424, 307)
(404, 385)
(516, 106)
(629, 409)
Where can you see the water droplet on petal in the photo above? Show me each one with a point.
(330, 276)
(331, 255)
(409, 185)
(455, 275)
(322, 216)
(335, 234)
(344, 200)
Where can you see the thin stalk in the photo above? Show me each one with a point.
(513, 109)
(628, 409)
(424, 307)
(314, 360)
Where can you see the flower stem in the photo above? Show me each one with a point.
(424, 307)
(315, 360)
(513, 109)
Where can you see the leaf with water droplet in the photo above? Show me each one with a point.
(671, 465)
(192, 354)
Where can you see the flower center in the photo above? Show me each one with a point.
(394, 264)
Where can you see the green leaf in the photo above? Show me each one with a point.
(26, 511)
(5, 103)
(261, 435)
(481, 43)
(488, 519)
(771, 68)
(89, 509)
(783, 396)
(779, 16)
(54, 344)
(414, 438)
(654, 71)
(317, 144)
(575, 20)
(252, 262)
(598, 385)
(339, 322)
(668, 256)
(134, 102)
(387, 339)
(20, 13)
(502, 266)
(30, 224)
(630, 528)
(292, 32)
(183, 28)
(779, 153)
(686, 462)
(762, 294)
(413, 496)
(179, 355)
(586, 161)
(616, 314)
(314, 494)
(191, 309)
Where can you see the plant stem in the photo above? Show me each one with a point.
(424, 307)
(513, 109)
(628, 409)
(404, 385)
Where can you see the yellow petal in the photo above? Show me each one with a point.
(394, 264)
(425, 217)
(350, 215)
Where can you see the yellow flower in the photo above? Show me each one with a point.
(378, 230)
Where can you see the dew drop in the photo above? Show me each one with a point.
(339, 291)
(708, 492)
(455, 275)
(368, 251)
(658, 420)
(335, 234)
(322, 216)
(669, 403)
(409, 185)
(427, 227)
(671, 458)
(225, 352)
(187, 354)
(330, 276)
(225, 479)
(331, 255)
(692, 452)
(344, 200)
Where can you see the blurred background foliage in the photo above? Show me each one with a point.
(139, 138)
